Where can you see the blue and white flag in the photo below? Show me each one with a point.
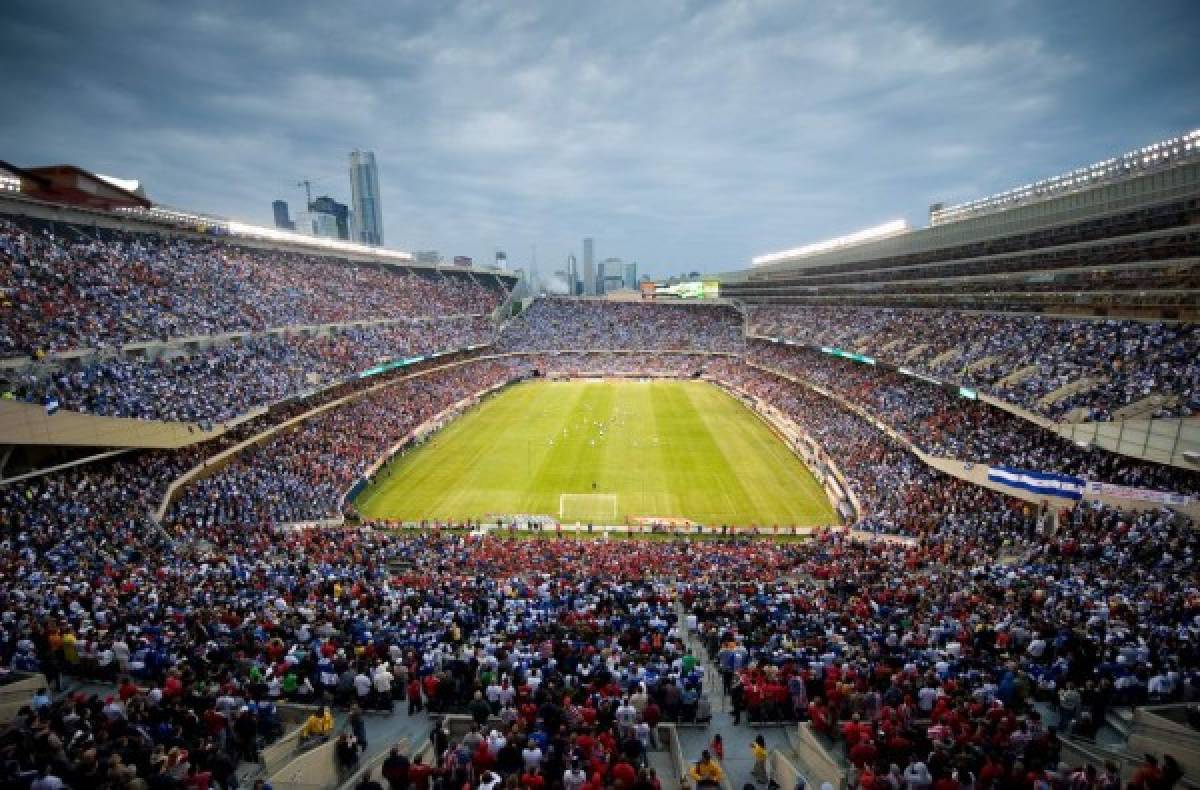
(1045, 483)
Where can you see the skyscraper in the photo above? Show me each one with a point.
(339, 211)
(282, 220)
(364, 195)
(631, 275)
(589, 268)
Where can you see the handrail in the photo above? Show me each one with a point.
(1127, 764)
(683, 767)
(784, 772)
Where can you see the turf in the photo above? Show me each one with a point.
(681, 449)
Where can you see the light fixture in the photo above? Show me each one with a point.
(1147, 159)
(886, 230)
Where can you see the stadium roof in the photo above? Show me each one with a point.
(72, 185)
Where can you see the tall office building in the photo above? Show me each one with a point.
(339, 211)
(631, 275)
(572, 276)
(589, 268)
(282, 220)
(364, 196)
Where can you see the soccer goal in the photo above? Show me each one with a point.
(584, 508)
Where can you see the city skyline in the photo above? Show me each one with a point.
(694, 137)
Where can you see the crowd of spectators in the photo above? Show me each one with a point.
(928, 658)
(896, 492)
(1123, 361)
(226, 380)
(573, 649)
(559, 324)
(625, 364)
(937, 663)
(63, 288)
(942, 423)
(302, 474)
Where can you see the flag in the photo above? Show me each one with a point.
(1045, 483)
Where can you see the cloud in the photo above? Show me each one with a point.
(684, 135)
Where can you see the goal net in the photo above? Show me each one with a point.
(594, 508)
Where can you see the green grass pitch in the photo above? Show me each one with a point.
(682, 449)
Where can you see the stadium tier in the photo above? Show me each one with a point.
(70, 287)
(1076, 303)
(575, 325)
(962, 584)
(1074, 370)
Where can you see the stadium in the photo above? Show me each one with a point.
(912, 507)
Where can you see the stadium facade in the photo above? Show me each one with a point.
(1046, 247)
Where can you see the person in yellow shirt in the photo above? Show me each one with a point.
(318, 725)
(759, 750)
(707, 772)
(70, 649)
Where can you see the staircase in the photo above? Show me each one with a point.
(983, 363)
(944, 357)
(1145, 408)
(1017, 376)
(1080, 384)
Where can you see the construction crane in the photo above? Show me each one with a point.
(307, 184)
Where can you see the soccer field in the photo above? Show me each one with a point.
(682, 449)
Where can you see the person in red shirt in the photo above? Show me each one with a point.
(990, 772)
(1148, 776)
(419, 773)
(214, 722)
(482, 760)
(652, 715)
(414, 696)
(623, 774)
(128, 689)
(532, 779)
(853, 732)
(863, 753)
(197, 779)
(818, 717)
(585, 743)
(173, 687)
(431, 686)
(945, 783)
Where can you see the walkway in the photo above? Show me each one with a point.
(738, 762)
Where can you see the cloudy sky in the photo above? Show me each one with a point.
(683, 135)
